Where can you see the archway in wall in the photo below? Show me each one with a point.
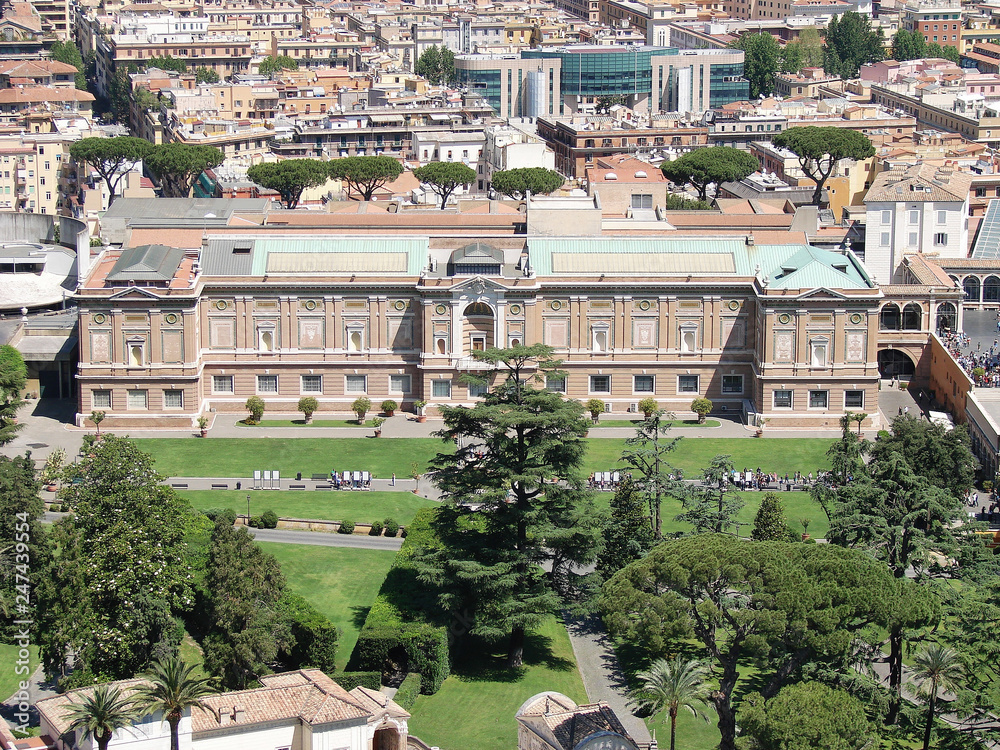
(890, 318)
(478, 328)
(893, 363)
(947, 317)
(972, 288)
(912, 317)
(386, 738)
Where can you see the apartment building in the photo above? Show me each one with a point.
(937, 20)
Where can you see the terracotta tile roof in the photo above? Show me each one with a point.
(926, 272)
(682, 219)
(971, 264)
(562, 723)
(919, 183)
(38, 94)
(54, 709)
(34, 67)
(376, 702)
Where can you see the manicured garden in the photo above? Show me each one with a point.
(669, 423)
(475, 706)
(302, 423)
(8, 659)
(340, 582)
(240, 457)
(330, 505)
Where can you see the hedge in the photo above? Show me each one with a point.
(408, 691)
(406, 614)
(214, 514)
(351, 680)
(315, 637)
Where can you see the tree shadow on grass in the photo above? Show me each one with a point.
(359, 615)
(483, 661)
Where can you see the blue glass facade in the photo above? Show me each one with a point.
(727, 84)
(604, 71)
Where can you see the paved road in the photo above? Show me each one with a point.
(323, 539)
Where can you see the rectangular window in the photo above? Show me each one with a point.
(399, 384)
(942, 217)
(173, 399)
(311, 384)
(101, 399)
(687, 384)
(478, 390)
(913, 239)
(555, 383)
(600, 384)
(642, 200)
(854, 399)
(819, 399)
(914, 217)
(732, 384)
(222, 384)
(782, 400)
(267, 384)
(884, 239)
(940, 239)
(356, 384)
(642, 384)
(441, 388)
(137, 399)
(887, 217)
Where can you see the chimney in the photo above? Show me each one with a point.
(239, 714)
(225, 717)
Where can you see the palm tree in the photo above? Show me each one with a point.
(672, 685)
(101, 713)
(172, 690)
(936, 668)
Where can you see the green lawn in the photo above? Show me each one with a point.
(302, 423)
(240, 457)
(340, 582)
(331, 505)
(692, 454)
(475, 706)
(8, 663)
(797, 505)
(669, 423)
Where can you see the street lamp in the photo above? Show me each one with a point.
(248, 511)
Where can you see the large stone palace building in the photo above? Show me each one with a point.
(181, 321)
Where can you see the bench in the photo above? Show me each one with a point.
(320, 477)
(296, 486)
(179, 485)
(220, 486)
(323, 487)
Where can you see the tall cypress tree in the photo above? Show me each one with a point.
(769, 523)
(627, 535)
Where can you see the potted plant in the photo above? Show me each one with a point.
(377, 424)
(203, 425)
(97, 417)
(701, 407)
(647, 406)
(255, 405)
(389, 407)
(360, 407)
(308, 405)
(805, 527)
(53, 469)
(418, 407)
(595, 406)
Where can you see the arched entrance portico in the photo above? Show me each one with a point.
(894, 363)
(386, 738)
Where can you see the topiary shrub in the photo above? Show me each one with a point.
(314, 637)
(346, 527)
(376, 529)
(257, 522)
(270, 519)
(408, 691)
(255, 405)
(351, 680)
(391, 527)
(647, 406)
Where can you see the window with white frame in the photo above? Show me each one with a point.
(173, 399)
(601, 337)
(355, 338)
(643, 384)
(782, 399)
(266, 336)
(913, 239)
(100, 399)
(942, 217)
(689, 338)
(884, 239)
(267, 384)
(687, 384)
(818, 349)
(311, 384)
(732, 384)
(138, 399)
(819, 399)
(478, 390)
(222, 384)
(399, 384)
(887, 217)
(854, 399)
(600, 384)
(136, 352)
(642, 200)
(441, 388)
(356, 384)
(555, 383)
(914, 216)
(940, 239)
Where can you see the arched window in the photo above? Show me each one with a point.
(991, 289)
(479, 308)
(946, 316)
(890, 318)
(912, 317)
(971, 287)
